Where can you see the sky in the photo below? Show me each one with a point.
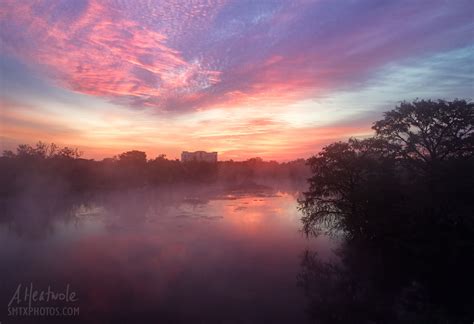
(273, 79)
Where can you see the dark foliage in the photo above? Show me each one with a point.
(403, 202)
(43, 166)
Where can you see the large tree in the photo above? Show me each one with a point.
(403, 199)
(364, 187)
(350, 182)
(429, 131)
(132, 158)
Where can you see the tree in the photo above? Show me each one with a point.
(429, 131)
(43, 151)
(352, 182)
(403, 199)
(132, 158)
(68, 153)
(132, 166)
(347, 181)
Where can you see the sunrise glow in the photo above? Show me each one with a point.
(275, 79)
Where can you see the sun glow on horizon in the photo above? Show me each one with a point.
(258, 80)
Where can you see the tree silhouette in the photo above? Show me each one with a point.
(132, 158)
(352, 181)
(403, 200)
(429, 131)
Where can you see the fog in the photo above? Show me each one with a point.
(176, 253)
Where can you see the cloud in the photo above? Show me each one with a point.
(277, 79)
(19, 121)
(315, 49)
(101, 53)
(179, 56)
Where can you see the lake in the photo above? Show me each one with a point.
(184, 255)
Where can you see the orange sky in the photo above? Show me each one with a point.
(267, 79)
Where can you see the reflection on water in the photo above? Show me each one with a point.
(162, 255)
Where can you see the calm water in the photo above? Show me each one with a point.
(190, 256)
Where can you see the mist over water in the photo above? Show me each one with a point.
(129, 239)
(176, 254)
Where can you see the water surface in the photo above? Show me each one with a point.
(222, 256)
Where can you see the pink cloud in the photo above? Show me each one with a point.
(102, 53)
(178, 55)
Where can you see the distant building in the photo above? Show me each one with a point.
(199, 156)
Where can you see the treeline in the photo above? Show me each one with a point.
(51, 166)
(403, 201)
